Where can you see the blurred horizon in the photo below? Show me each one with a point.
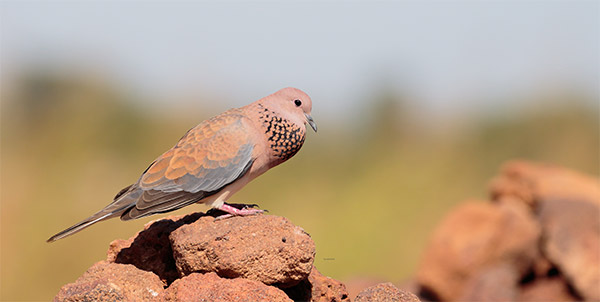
(449, 55)
(418, 105)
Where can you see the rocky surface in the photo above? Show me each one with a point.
(553, 289)
(385, 292)
(325, 289)
(356, 284)
(495, 283)
(210, 287)
(537, 239)
(150, 249)
(572, 242)
(106, 281)
(533, 183)
(472, 239)
(200, 258)
(264, 248)
(319, 288)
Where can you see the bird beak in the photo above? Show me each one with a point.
(311, 122)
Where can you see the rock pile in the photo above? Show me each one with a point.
(538, 239)
(198, 258)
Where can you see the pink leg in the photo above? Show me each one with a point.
(233, 211)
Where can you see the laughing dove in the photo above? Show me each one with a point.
(215, 159)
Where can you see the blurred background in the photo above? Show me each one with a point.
(418, 104)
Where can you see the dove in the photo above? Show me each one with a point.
(214, 160)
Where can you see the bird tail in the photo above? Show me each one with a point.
(123, 202)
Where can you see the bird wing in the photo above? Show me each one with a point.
(207, 158)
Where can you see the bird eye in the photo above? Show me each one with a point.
(298, 103)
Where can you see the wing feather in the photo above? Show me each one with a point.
(209, 157)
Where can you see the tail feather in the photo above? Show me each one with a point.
(123, 203)
(79, 226)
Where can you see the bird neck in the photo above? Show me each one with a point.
(284, 137)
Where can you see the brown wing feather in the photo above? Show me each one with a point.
(210, 156)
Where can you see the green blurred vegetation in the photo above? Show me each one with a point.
(369, 192)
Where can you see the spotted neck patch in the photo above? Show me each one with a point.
(285, 138)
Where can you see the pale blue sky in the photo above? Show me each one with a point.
(446, 54)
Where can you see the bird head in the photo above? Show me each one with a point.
(292, 104)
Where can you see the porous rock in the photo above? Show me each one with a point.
(356, 284)
(210, 287)
(473, 237)
(325, 289)
(150, 249)
(318, 288)
(385, 292)
(265, 248)
(106, 281)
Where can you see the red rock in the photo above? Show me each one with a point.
(473, 237)
(150, 249)
(496, 283)
(318, 288)
(385, 292)
(356, 284)
(536, 182)
(325, 289)
(572, 242)
(210, 287)
(106, 281)
(265, 248)
(547, 290)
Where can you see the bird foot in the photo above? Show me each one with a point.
(243, 210)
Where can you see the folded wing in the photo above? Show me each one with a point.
(209, 157)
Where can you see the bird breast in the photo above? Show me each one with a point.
(284, 138)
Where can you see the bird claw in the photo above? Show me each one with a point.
(254, 206)
(239, 210)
